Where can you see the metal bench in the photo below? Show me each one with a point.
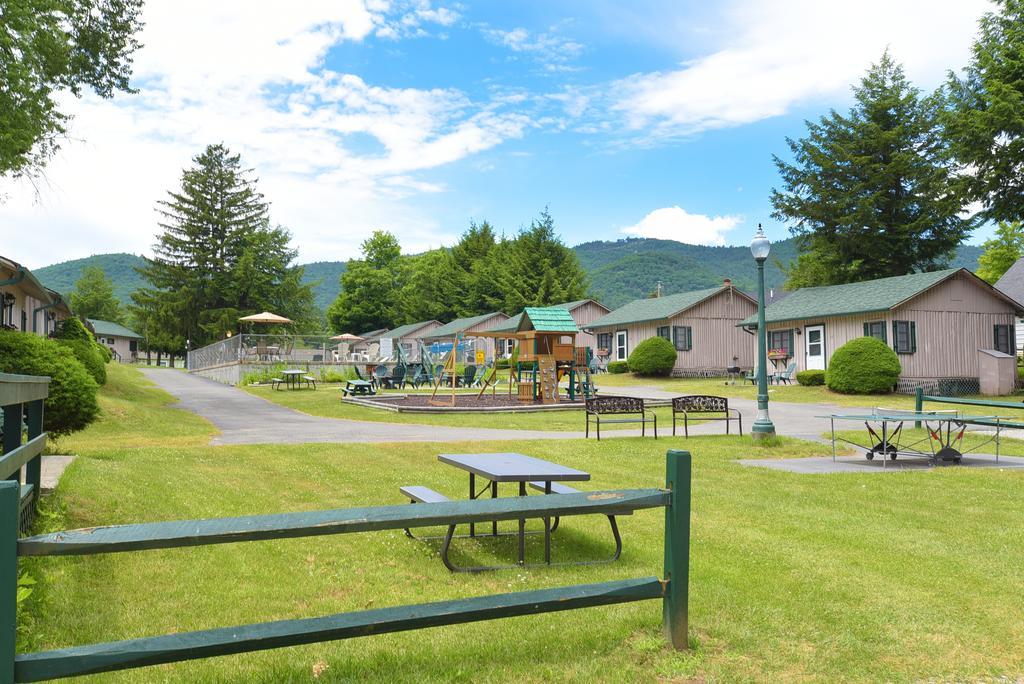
(703, 404)
(618, 406)
(559, 488)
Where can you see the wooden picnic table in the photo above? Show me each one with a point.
(292, 377)
(513, 467)
(358, 387)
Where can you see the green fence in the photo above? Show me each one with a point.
(21, 399)
(118, 655)
(921, 398)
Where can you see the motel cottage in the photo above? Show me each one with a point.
(25, 304)
(440, 339)
(122, 342)
(703, 325)
(945, 326)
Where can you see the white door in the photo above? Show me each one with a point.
(814, 341)
(621, 352)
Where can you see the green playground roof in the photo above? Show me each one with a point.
(461, 325)
(868, 296)
(548, 319)
(408, 329)
(113, 329)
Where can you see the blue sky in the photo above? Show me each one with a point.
(417, 116)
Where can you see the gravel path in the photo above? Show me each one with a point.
(243, 418)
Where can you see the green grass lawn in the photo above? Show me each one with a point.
(910, 576)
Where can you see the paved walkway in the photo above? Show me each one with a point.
(243, 418)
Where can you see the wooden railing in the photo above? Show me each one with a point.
(21, 399)
(119, 655)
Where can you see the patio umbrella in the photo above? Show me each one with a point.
(346, 337)
(265, 317)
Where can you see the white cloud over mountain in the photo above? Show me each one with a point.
(675, 223)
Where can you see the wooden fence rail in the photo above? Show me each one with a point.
(118, 655)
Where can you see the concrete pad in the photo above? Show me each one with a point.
(51, 468)
(859, 464)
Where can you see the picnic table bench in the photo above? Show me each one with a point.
(358, 387)
(620, 406)
(702, 405)
(507, 467)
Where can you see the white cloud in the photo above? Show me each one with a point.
(675, 223)
(779, 55)
(336, 156)
(551, 49)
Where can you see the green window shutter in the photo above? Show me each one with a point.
(791, 349)
(885, 336)
(895, 336)
(867, 329)
(689, 337)
(995, 337)
(913, 337)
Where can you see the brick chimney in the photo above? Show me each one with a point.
(727, 282)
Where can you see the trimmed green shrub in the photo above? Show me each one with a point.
(811, 377)
(72, 402)
(864, 365)
(91, 357)
(73, 329)
(618, 367)
(653, 356)
(105, 352)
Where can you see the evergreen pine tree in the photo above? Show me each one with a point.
(216, 258)
(872, 192)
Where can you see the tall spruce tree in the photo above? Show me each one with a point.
(93, 296)
(541, 270)
(872, 193)
(984, 121)
(217, 258)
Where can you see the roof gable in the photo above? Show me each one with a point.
(659, 308)
(1012, 282)
(408, 329)
(112, 329)
(460, 325)
(867, 296)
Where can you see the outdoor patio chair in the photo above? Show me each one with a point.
(380, 376)
(752, 377)
(419, 377)
(397, 378)
(785, 376)
(468, 375)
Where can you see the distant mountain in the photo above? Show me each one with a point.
(620, 271)
(119, 267)
(327, 276)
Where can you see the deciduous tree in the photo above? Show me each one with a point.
(93, 296)
(49, 48)
(1001, 251)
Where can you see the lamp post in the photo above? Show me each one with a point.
(763, 426)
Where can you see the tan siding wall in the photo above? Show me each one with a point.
(585, 315)
(716, 339)
(953, 321)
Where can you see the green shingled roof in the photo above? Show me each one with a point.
(112, 329)
(407, 329)
(460, 325)
(655, 308)
(549, 319)
(852, 298)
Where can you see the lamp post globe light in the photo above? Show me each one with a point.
(763, 426)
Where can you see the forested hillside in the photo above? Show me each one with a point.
(619, 271)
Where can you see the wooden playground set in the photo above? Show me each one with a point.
(545, 353)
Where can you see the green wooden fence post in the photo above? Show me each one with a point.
(10, 496)
(34, 468)
(12, 433)
(918, 404)
(677, 548)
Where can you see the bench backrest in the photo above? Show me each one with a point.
(615, 405)
(700, 403)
